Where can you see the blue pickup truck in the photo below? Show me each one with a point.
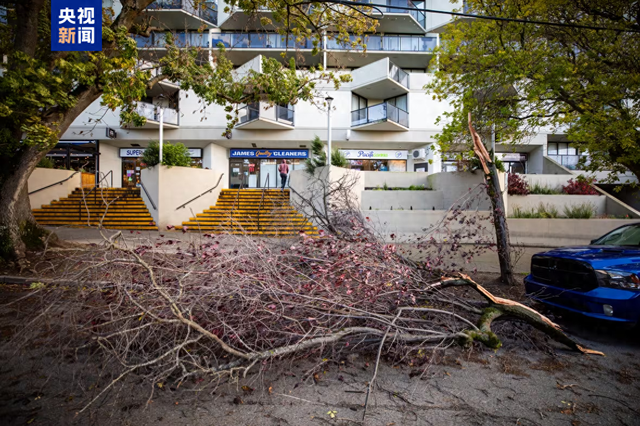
(600, 280)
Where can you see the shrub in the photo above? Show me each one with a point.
(172, 154)
(46, 163)
(517, 185)
(580, 211)
(320, 157)
(580, 186)
(538, 189)
(543, 211)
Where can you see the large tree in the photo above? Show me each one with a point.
(43, 92)
(580, 77)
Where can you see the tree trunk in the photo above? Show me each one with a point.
(17, 224)
(500, 224)
(497, 205)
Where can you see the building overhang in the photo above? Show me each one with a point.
(241, 21)
(383, 88)
(356, 59)
(177, 19)
(151, 124)
(381, 126)
(398, 23)
(262, 123)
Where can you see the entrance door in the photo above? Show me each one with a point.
(131, 168)
(245, 172)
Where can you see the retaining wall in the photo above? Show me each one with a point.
(41, 178)
(405, 200)
(559, 201)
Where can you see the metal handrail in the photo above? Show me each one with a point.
(97, 184)
(205, 192)
(261, 201)
(235, 203)
(146, 193)
(61, 182)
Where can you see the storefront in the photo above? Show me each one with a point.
(514, 162)
(75, 155)
(132, 164)
(376, 160)
(258, 168)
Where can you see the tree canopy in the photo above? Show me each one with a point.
(521, 77)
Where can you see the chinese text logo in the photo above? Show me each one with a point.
(76, 25)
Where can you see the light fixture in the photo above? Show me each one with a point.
(254, 145)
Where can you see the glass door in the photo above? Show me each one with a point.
(131, 168)
(235, 173)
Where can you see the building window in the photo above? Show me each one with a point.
(399, 102)
(565, 153)
(357, 102)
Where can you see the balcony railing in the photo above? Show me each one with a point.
(569, 161)
(253, 111)
(398, 74)
(380, 112)
(150, 112)
(209, 12)
(259, 41)
(181, 39)
(389, 43)
(386, 6)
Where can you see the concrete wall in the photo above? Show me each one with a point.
(550, 167)
(370, 73)
(406, 225)
(216, 158)
(456, 186)
(169, 187)
(549, 181)
(405, 200)
(110, 161)
(560, 201)
(395, 179)
(45, 177)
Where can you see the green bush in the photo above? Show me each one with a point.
(543, 211)
(172, 154)
(320, 157)
(46, 163)
(580, 211)
(538, 189)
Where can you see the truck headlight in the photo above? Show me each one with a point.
(618, 279)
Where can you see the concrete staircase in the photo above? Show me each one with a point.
(252, 212)
(126, 210)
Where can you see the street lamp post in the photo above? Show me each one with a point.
(161, 130)
(329, 99)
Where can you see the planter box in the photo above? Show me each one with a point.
(529, 202)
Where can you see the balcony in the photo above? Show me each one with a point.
(170, 119)
(381, 117)
(570, 161)
(157, 40)
(258, 116)
(411, 20)
(181, 14)
(239, 20)
(380, 80)
(406, 51)
(243, 47)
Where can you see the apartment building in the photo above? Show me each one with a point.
(383, 120)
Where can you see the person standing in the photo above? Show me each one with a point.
(283, 168)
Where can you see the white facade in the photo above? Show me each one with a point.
(377, 76)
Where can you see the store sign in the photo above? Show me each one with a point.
(356, 154)
(268, 153)
(138, 152)
(514, 156)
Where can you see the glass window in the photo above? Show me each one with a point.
(357, 102)
(552, 148)
(562, 148)
(399, 102)
(571, 150)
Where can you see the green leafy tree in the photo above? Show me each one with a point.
(319, 158)
(172, 154)
(43, 92)
(516, 77)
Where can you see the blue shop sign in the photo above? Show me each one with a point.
(269, 153)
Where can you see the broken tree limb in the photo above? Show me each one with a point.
(499, 307)
(497, 205)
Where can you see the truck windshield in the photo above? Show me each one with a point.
(625, 236)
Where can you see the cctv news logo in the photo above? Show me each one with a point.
(76, 25)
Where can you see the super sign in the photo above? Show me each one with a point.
(76, 25)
